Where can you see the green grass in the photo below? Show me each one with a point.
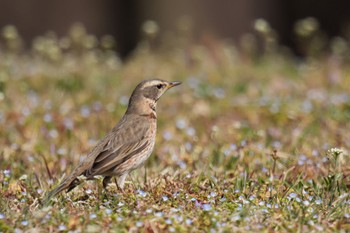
(243, 145)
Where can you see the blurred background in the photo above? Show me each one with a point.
(227, 19)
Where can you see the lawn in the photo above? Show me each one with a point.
(254, 140)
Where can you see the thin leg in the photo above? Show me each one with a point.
(121, 181)
(106, 181)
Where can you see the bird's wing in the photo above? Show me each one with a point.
(111, 159)
(123, 143)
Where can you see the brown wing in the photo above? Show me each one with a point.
(111, 159)
(124, 142)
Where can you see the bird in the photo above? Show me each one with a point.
(127, 146)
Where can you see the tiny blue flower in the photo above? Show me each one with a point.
(124, 100)
(7, 173)
(167, 135)
(306, 203)
(168, 221)
(207, 207)
(191, 132)
(188, 221)
(24, 223)
(62, 228)
(181, 124)
(159, 214)
(139, 224)
(141, 193)
(261, 203)
(213, 194)
(85, 111)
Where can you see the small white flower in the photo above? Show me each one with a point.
(23, 177)
(98, 177)
(88, 191)
(81, 178)
(335, 151)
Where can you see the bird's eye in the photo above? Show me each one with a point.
(159, 86)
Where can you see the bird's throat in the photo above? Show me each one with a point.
(152, 106)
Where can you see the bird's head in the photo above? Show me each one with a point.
(147, 93)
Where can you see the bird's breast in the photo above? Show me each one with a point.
(151, 115)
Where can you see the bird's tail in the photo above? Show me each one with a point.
(67, 183)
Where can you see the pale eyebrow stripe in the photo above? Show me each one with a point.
(149, 84)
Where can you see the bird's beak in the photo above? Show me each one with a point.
(173, 84)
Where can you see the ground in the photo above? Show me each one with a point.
(252, 141)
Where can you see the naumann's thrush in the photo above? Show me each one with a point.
(127, 146)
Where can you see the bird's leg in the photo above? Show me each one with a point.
(106, 181)
(121, 181)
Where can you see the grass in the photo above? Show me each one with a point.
(248, 143)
